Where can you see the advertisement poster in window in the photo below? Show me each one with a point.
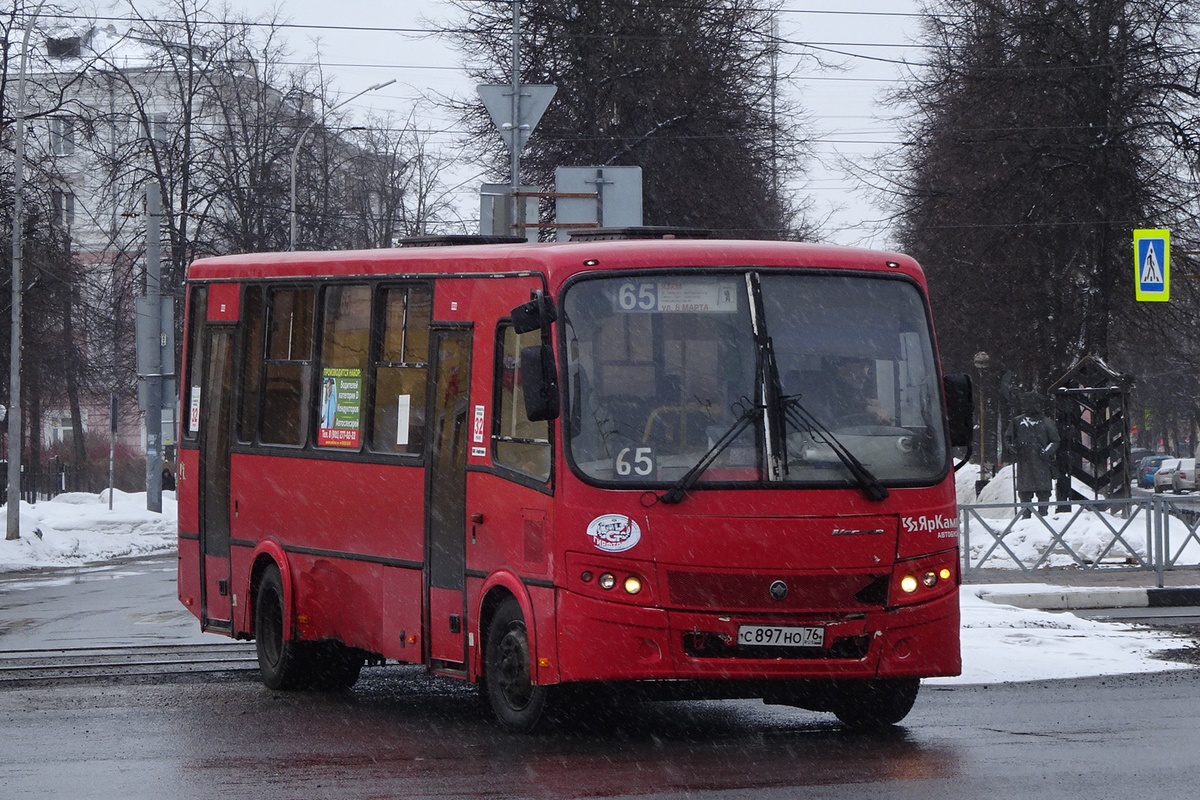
(341, 408)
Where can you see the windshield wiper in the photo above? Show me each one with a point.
(804, 420)
(686, 481)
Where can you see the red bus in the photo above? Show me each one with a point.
(695, 468)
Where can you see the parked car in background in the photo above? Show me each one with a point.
(1136, 454)
(1165, 477)
(1146, 469)
(1184, 479)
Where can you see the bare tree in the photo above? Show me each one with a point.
(57, 64)
(682, 89)
(1042, 132)
(399, 191)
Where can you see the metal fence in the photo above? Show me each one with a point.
(1150, 534)
(51, 480)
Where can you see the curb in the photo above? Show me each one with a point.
(1092, 598)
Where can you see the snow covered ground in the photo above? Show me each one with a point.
(75, 529)
(1000, 643)
(1088, 533)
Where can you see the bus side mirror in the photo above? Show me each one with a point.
(535, 315)
(539, 382)
(960, 408)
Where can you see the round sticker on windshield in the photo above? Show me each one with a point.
(614, 533)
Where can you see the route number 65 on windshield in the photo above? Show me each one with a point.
(635, 461)
(637, 297)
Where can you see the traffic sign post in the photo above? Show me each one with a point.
(604, 197)
(516, 110)
(532, 102)
(1152, 265)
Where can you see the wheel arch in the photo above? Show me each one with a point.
(268, 554)
(498, 587)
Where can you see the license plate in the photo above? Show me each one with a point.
(780, 636)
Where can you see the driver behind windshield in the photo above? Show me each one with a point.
(850, 395)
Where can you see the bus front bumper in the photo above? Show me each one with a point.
(606, 641)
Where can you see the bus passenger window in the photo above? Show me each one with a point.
(400, 368)
(252, 363)
(345, 339)
(197, 316)
(518, 443)
(287, 383)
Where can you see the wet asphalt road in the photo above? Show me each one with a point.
(402, 734)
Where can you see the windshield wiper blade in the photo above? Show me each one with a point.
(802, 418)
(680, 489)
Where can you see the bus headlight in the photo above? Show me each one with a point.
(607, 580)
(633, 584)
(921, 580)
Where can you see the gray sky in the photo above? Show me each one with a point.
(846, 122)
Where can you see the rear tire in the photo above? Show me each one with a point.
(284, 663)
(867, 705)
(517, 703)
(335, 666)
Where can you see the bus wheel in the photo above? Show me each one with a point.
(282, 662)
(515, 701)
(864, 705)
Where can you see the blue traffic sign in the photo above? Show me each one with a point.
(1152, 265)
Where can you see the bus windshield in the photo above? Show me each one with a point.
(664, 370)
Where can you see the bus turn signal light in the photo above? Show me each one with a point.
(923, 579)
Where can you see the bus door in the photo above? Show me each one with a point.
(445, 492)
(216, 401)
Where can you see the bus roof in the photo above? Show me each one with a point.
(557, 261)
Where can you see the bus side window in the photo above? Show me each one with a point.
(400, 367)
(345, 339)
(252, 363)
(287, 380)
(518, 444)
(197, 315)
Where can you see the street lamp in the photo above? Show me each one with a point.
(18, 236)
(981, 364)
(300, 143)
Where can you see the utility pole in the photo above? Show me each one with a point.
(516, 109)
(151, 318)
(18, 237)
(516, 205)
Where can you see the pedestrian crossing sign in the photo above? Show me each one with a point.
(1152, 265)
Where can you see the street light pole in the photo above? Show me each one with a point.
(18, 236)
(300, 143)
(981, 363)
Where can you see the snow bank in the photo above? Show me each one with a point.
(78, 528)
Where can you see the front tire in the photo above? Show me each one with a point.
(283, 663)
(517, 703)
(868, 705)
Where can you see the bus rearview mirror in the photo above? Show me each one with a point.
(960, 408)
(539, 382)
(537, 314)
